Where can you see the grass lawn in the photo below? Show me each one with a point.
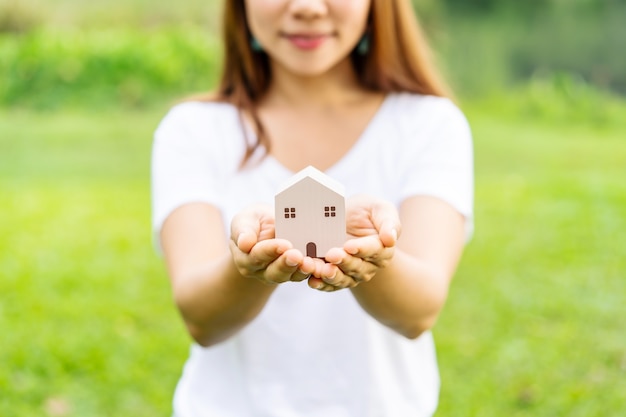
(533, 326)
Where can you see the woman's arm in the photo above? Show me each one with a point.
(216, 290)
(408, 294)
(406, 289)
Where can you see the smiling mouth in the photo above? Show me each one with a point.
(307, 41)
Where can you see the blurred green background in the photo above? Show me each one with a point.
(534, 325)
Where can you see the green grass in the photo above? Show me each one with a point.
(87, 318)
(533, 325)
(534, 322)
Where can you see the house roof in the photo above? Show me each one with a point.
(318, 176)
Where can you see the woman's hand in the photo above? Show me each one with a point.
(374, 226)
(257, 254)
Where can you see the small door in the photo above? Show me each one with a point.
(311, 250)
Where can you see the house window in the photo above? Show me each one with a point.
(329, 211)
(290, 213)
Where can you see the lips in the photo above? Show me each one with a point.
(307, 41)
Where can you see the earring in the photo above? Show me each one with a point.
(363, 47)
(255, 45)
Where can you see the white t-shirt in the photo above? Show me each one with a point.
(309, 353)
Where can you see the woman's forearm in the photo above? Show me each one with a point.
(405, 296)
(216, 301)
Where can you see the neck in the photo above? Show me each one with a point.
(334, 88)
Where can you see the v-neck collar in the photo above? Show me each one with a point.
(362, 140)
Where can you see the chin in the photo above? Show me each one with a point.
(307, 69)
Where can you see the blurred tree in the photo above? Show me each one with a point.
(18, 17)
(526, 6)
(489, 6)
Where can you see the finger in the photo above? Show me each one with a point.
(308, 265)
(318, 284)
(335, 276)
(358, 269)
(330, 288)
(284, 267)
(351, 266)
(306, 269)
(242, 261)
(335, 256)
(342, 280)
(266, 252)
(324, 273)
(245, 228)
(244, 231)
(317, 266)
(246, 241)
(370, 249)
(299, 276)
(364, 247)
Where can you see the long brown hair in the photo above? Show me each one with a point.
(398, 59)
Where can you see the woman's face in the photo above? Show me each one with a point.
(307, 37)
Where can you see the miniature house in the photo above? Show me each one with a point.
(310, 212)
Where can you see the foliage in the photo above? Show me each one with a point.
(15, 17)
(49, 68)
(147, 58)
(557, 98)
(528, 7)
(590, 48)
(484, 54)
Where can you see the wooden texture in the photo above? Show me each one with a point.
(310, 212)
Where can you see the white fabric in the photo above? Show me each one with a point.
(313, 354)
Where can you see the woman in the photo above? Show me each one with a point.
(345, 86)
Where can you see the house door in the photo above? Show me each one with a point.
(311, 250)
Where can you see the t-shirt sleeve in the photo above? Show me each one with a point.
(182, 169)
(439, 159)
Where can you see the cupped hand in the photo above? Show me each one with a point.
(258, 254)
(375, 226)
(367, 216)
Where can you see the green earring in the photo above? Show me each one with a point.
(255, 45)
(363, 47)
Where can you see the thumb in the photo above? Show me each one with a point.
(387, 222)
(246, 241)
(244, 230)
(388, 234)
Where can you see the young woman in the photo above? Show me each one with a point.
(345, 86)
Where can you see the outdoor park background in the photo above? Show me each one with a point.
(534, 325)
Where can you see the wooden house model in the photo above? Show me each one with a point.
(310, 212)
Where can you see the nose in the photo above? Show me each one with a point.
(308, 9)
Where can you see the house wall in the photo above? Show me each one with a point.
(309, 198)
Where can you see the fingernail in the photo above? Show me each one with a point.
(352, 251)
(394, 233)
(289, 262)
